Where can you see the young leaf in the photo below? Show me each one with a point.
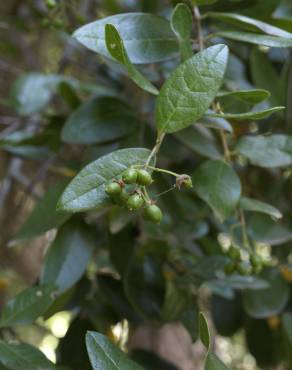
(270, 301)
(254, 38)
(87, 190)
(44, 216)
(254, 205)
(249, 96)
(204, 331)
(75, 241)
(190, 89)
(27, 306)
(218, 185)
(249, 24)
(147, 38)
(181, 24)
(267, 151)
(212, 362)
(21, 356)
(248, 116)
(99, 120)
(105, 355)
(115, 47)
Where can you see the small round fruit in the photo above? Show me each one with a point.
(130, 176)
(229, 268)
(244, 268)
(124, 196)
(113, 188)
(153, 213)
(255, 260)
(135, 201)
(144, 178)
(51, 4)
(234, 253)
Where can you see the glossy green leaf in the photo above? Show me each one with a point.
(181, 24)
(150, 360)
(249, 24)
(44, 216)
(87, 190)
(75, 241)
(105, 355)
(218, 185)
(213, 362)
(99, 120)
(204, 331)
(145, 285)
(270, 301)
(249, 96)
(257, 39)
(21, 356)
(27, 306)
(199, 142)
(254, 205)
(190, 89)
(267, 151)
(116, 48)
(257, 115)
(147, 38)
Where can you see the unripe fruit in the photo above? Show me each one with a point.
(234, 253)
(51, 4)
(153, 213)
(135, 201)
(144, 178)
(113, 188)
(244, 268)
(130, 176)
(229, 268)
(184, 181)
(124, 196)
(255, 260)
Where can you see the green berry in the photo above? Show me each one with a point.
(51, 4)
(134, 202)
(113, 188)
(188, 183)
(124, 196)
(144, 178)
(130, 176)
(153, 213)
(234, 253)
(255, 260)
(244, 268)
(229, 268)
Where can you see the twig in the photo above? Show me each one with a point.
(156, 148)
(197, 17)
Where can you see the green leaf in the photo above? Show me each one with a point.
(204, 331)
(190, 89)
(145, 285)
(267, 151)
(254, 205)
(181, 24)
(147, 38)
(105, 355)
(199, 142)
(214, 363)
(116, 48)
(23, 356)
(287, 326)
(150, 360)
(270, 301)
(44, 216)
(249, 96)
(75, 241)
(204, 2)
(87, 190)
(99, 120)
(248, 116)
(249, 24)
(254, 38)
(217, 184)
(27, 306)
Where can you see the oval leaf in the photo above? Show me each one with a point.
(214, 363)
(105, 355)
(75, 241)
(218, 185)
(27, 306)
(254, 205)
(204, 330)
(249, 115)
(87, 190)
(249, 96)
(190, 89)
(99, 120)
(270, 301)
(147, 38)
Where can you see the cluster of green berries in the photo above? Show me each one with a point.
(252, 266)
(135, 199)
